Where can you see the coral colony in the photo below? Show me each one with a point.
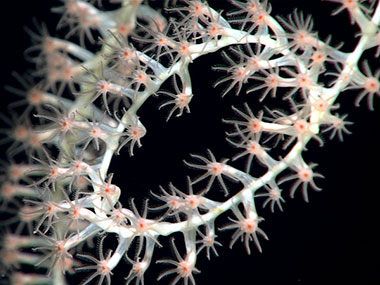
(80, 109)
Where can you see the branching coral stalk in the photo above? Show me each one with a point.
(82, 201)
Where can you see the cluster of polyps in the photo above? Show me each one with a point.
(63, 189)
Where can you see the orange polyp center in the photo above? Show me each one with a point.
(350, 3)
(305, 175)
(256, 126)
(60, 247)
(250, 225)
(273, 80)
(68, 72)
(372, 85)
(300, 126)
(8, 190)
(217, 169)
(123, 30)
(193, 201)
(175, 204)
(318, 57)
(16, 172)
(185, 267)
(75, 212)
(35, 97)
(141, 77)
(21, 132)
(104, 268)
(261, 19)
(142, 226)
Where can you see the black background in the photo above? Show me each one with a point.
(334, 238)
